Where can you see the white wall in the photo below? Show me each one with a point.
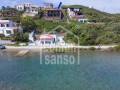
(5, 30)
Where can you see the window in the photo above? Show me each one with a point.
(2, 25)
(50, 13)
(47, 42)
(56, 13)
(21, 8)
(42, 42)
(7, 25)
(8, 31)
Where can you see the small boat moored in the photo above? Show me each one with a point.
(2, 47)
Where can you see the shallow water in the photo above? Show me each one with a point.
(96, 71)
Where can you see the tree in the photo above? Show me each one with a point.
(41, 13)
(21, 37)
(28, 24)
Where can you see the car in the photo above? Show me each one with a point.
(2, 47)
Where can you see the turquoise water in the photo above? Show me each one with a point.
(96, 71)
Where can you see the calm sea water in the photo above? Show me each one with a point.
(96, 71)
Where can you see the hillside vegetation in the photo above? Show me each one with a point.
(105, 31)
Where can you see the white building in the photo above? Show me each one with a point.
(51, 39)
(20, 7)
(83, 20)
(48, 39)
(30, 9)
(73, 15)
(7, 28)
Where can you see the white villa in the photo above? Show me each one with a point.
(20, 7)
(30, 9)
(7, 28)
(49, 39)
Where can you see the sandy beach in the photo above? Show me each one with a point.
(38, 48)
